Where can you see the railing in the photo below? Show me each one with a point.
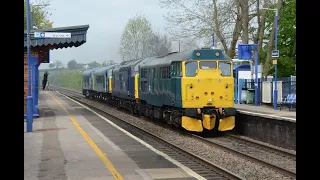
(285, 85)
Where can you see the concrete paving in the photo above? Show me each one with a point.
(66, 141)
(265, 112)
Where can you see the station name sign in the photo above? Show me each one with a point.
(51, 35)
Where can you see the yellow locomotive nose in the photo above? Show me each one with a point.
(209, 88)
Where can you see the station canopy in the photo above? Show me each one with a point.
(78, 37)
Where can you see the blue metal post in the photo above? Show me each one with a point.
(275, 93)
(29, 97)
(35, 72)
(36, 94)
(29, 113)
(236, 89)
(256, 88)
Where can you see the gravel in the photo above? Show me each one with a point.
(244, 168)
(248, 148)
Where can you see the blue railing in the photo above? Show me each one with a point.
(288, 87)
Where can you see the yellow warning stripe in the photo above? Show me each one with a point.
(102, 155)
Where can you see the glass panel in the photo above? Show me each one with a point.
(225, 68)
(191, 68)
(208, 65)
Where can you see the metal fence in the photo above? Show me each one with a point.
(288, 87)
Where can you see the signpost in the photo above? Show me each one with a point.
(51, 35)
(275, 54)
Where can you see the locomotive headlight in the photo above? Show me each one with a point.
(209, 101)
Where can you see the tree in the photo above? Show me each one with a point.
(188, 44)
(159, 45)
(135, 36)
(286, 39)
(72, 64)
(230, 20)
(93, 64)
(199, 19)
(58, 64)
(40, 15)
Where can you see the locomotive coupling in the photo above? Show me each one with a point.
(226, 112)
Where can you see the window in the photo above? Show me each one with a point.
(153, 72)
(208, 65)
(172, 69)
(179, 69)
(164, 72)
(152, 79)
(99, 79)
(176, 69)
(120, 80)
(191, 68)
(225, 68)
(144, 86)
(144, 73)
(156, 70)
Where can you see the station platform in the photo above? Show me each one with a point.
(266, 112)
(70, 141)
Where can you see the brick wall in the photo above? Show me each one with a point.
(26, 79)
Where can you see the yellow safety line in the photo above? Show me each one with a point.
(102, 155)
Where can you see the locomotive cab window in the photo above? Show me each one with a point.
(208, 65)
(225, 68)
(191, 68)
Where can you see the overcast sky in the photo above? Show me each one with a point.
(106, 19)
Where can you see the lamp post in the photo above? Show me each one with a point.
(29, 97)
(275, 92)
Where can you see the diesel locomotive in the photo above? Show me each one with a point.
(192, 89)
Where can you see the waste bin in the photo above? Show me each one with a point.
(250, 96)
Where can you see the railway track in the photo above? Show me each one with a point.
(206, 169)
(272, 157)
(275, 158)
